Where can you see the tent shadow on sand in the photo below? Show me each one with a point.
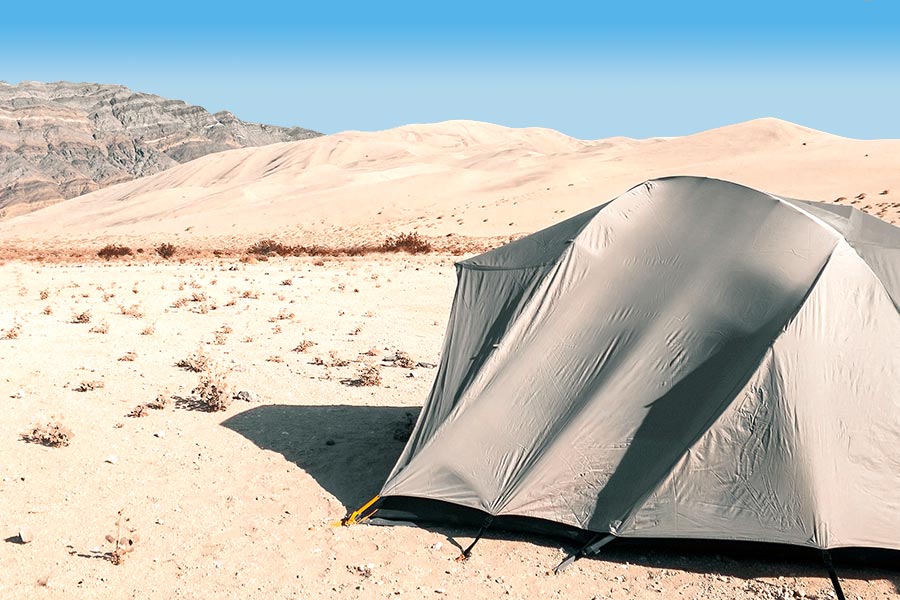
(350, 450)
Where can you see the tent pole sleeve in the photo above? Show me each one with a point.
(826, 559)
(468, 551)
(592, 547)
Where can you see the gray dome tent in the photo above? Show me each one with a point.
(693, 359)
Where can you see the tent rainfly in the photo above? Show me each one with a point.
(693, 359)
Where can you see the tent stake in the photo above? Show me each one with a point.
(592, 547)
(826, 558)
(468, 551)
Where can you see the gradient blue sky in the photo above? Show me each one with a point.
(592, 69)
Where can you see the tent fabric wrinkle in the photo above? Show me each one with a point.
(692, 359)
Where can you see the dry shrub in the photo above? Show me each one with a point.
(197, 362)
(283, 315)
(160, 403)
(251, 294)
(368, 375)
(13, 332)
(123, 541)
(287, 282)
(102, 327)
(275, 359)
(114, 251)
(82, 317)
(138, 411)
(128, 357)
(247, 339)
(132, 311)
(212, 393)
(268, 246)
(404, 360)
(148, 330)
(48, 310)
(198, 297)
(336, 361)
(412, 243)
(89, 386)
(45, 294)
(166, 250)
(303, 346)
(53, 434)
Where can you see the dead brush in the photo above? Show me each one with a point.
(114, 251)
(102, 327)
(161, 402)
(197, 362)
(403, 360)
(148, 330)
(275, 359)
(133, 311)
(283, 315)
(89, 386)
(123, 540)
(53, 434)
(212, 394)
(367, 376)
(166, 250)
(303, 346)
(48, 310)
(138, 411)
(128, 357)
(12, 333)
(82, 317)
(44, 294)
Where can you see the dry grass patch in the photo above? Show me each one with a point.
(212, 393)
(114, 251)
(12, 333)
(102, 327)
(303, 346)
(89, 386)
(197, 362)
(53, 434)
(133, 311)
(123, 541)
(367, 376)
(82, 317)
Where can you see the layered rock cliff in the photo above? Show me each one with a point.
(60, 140)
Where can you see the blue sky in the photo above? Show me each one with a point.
(591, 69)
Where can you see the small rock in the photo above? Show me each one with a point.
(410, 374)
(439, 591)
(426, 365)
(329, 442)
(25, 535)
(245, 396)
(160, 434)
(111, 459)
(437, 546)
(20, 394)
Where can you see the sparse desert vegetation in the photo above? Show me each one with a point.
(234, 460)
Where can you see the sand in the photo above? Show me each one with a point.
(458, 178)
(240, 503)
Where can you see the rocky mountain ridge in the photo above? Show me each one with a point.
(61, 140)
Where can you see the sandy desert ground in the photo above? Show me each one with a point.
(240, 503)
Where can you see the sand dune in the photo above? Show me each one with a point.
(457, 177)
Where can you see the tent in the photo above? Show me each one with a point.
(693, 359)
